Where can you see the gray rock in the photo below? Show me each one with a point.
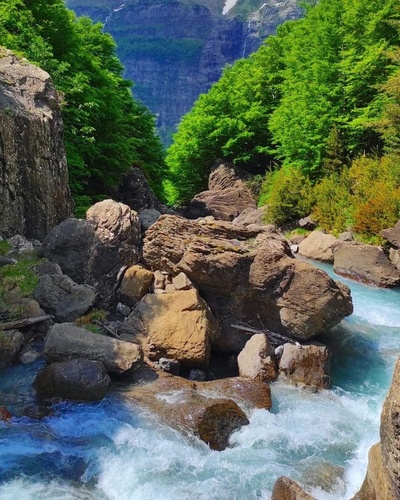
(346, 236)
(319, 246)
(197, 374)
(66, 341)
(47, 267)
(294, 248)
(93, 251)
(11, 342)
(148, 217)
(307, 223)
(59, 295)
(32, 151)
(123, 309)
(20, 245)
(28, 355)
(134, 191)
(182, 282)
(77, 379)
(7, 261)
(250, 216)
(170, 365)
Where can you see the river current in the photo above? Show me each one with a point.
(108, 450)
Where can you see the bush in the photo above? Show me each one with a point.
(288, 195)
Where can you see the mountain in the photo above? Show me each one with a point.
(174, 50)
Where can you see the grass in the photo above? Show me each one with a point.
(5, 247)
(19, 277)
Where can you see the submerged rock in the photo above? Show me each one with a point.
(78, 379)
(201, 409)
(247, 274)
(11, 342)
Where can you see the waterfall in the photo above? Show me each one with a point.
(113, 12)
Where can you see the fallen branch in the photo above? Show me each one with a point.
(22, 323)
(275, 337)
(107, 329)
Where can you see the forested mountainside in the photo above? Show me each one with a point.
(106, 130)
(174, 50)
(317, 107)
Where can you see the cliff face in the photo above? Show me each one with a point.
(34, 193)
(174, 50)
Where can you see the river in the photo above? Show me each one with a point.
(108, 450)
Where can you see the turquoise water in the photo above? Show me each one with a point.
(107, 450)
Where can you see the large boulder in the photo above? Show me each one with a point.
(366, 263)
(286, 489)
(93, 251)
(59, 295)
(257, 360)
(178, 325)
(392, 235)
(78, 379)
(318, 246)
(190, 407)
(66, 341)
(382, 481)
(247, 274)
(32, 151)
(307, 364)
(250, 216)
(134, 190)
(227, 194)
(10, 344)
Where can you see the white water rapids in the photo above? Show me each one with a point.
(107, 451)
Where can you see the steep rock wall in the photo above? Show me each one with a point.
(174, 50)
(34, 193)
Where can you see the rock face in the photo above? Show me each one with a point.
(392, 235)
(178, 325)
(257, 360)
(188, 42)
(286, 489)
(78, 379)
(194, 408)
(93, 251)
(31, 150)
(318, 246)
(247, 274)
(308, 365)
(382, 481)
(365, 263)
(66, 341)
(62, 297)
(227, 195)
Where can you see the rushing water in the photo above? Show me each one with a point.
(106, 450)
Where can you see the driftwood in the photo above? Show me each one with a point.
(275, 338)
(22, 323)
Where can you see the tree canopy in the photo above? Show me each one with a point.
(106, 130)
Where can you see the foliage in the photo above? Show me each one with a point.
(287, 194)
(106, 130)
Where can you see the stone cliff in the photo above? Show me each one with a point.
(174, 50)
(34, 192)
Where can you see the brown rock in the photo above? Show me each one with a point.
(247, 274)
(227, 196)
(5, 415)
(286, 489)
(365, 263)
(135, 284)
(178, 403)
(318, 246)
(394, 257)
(250, 216)
(257, 360)
(78, 379)
(179, 325)
(182, 282)
(32, 151)
(307, 365)
(66, 341)
(134, 191)
(376, 482)
(392, 235)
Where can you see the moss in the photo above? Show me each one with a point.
(19, 277)
(5, 247)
